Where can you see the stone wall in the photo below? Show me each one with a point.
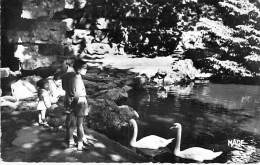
(39, 39)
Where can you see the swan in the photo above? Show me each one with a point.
(149, 142)
(195, 153)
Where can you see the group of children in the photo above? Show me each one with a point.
(48, 96)
(75, 102)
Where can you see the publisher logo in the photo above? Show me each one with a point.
(236, 143)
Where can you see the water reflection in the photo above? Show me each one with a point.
(211, 114)
(180, 90)
(162, 93)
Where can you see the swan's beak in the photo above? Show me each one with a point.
(172, 127)
(136, 114)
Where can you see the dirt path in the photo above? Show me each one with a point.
(23, 142)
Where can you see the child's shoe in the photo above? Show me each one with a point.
(81, 147)
(71, 143)
(68, 144)
(45, 124)
(36, 124)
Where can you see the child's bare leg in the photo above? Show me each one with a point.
(70, 127)
(80, 129)
(80, 132)
(39, 117)
(43, 113)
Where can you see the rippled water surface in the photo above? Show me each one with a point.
(210, 114)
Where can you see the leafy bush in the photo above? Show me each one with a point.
(230, 30)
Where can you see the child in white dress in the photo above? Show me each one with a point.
(44, 101)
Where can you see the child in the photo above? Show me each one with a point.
(44, 101)
(76, 102)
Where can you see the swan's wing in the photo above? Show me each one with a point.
(158, 139)
(170, 140)
(198, 153)
(152, 142)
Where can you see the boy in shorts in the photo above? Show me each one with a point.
(75, 102)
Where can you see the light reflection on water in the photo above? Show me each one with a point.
(211, 114)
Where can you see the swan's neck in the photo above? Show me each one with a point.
(133, 140)
(178, 141)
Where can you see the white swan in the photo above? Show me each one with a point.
(195, 153)
(149, 142)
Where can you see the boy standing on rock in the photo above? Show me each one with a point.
(75, 102)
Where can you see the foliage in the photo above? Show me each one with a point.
(143, 28)
(226, 29)
(105, 114)
(231, 32)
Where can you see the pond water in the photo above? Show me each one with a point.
(212, 115)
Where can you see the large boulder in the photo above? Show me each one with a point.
(23, 89)
(106, 115)
(4, 72)
(30, 57)
(115, 94)
(33, 9)
(51, 50)
(186, 67)
(182, 71)
(9, 101)
(98, 48)
(39, 32)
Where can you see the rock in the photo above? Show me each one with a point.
(51, 50)
(80, 34)
(98, 48)
(33, 9)
(69, 24)
(50, 31)
(9, 98)
(140, 81)
(43, 72)
(23, 89)
(182, 71)
(102, 23)
(55, 89)
(106, 114)
(4, 72)
(31, 58)
(115, 94)
(69, 4)
(38, 32)
(25, 52)
(9, 101)
(80, 4)
(176, 78)
(186, 68)
(106, 86)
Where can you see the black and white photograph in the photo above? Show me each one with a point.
(130, 81)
